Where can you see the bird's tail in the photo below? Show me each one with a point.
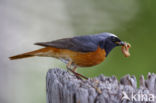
(28, 54)
(20, 56)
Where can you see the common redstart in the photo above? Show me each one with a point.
(79, 51)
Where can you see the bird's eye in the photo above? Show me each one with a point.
(115, 39)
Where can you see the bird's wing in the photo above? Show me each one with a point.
(80, 44)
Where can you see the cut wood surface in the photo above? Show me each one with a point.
(64, 87)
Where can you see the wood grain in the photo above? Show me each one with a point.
(64, 87)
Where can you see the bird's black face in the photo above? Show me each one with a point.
(110, 42)
(116, 41)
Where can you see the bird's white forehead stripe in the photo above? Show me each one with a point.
(112, 35)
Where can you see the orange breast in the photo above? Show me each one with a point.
(90, 58)
(80, 58)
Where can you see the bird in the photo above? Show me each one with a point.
(79, 51)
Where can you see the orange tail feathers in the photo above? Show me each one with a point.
(20, 56)
(28, 54)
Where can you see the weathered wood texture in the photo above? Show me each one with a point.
(64, 87)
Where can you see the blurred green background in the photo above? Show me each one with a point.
(24, 22)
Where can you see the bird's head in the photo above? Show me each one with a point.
(108, 41)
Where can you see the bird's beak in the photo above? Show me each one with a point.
(121, 43)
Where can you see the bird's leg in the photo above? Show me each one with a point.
(73, 70)
(68, 66)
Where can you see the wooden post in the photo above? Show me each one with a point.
(64, 87)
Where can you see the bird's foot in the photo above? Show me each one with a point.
(79, 76)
